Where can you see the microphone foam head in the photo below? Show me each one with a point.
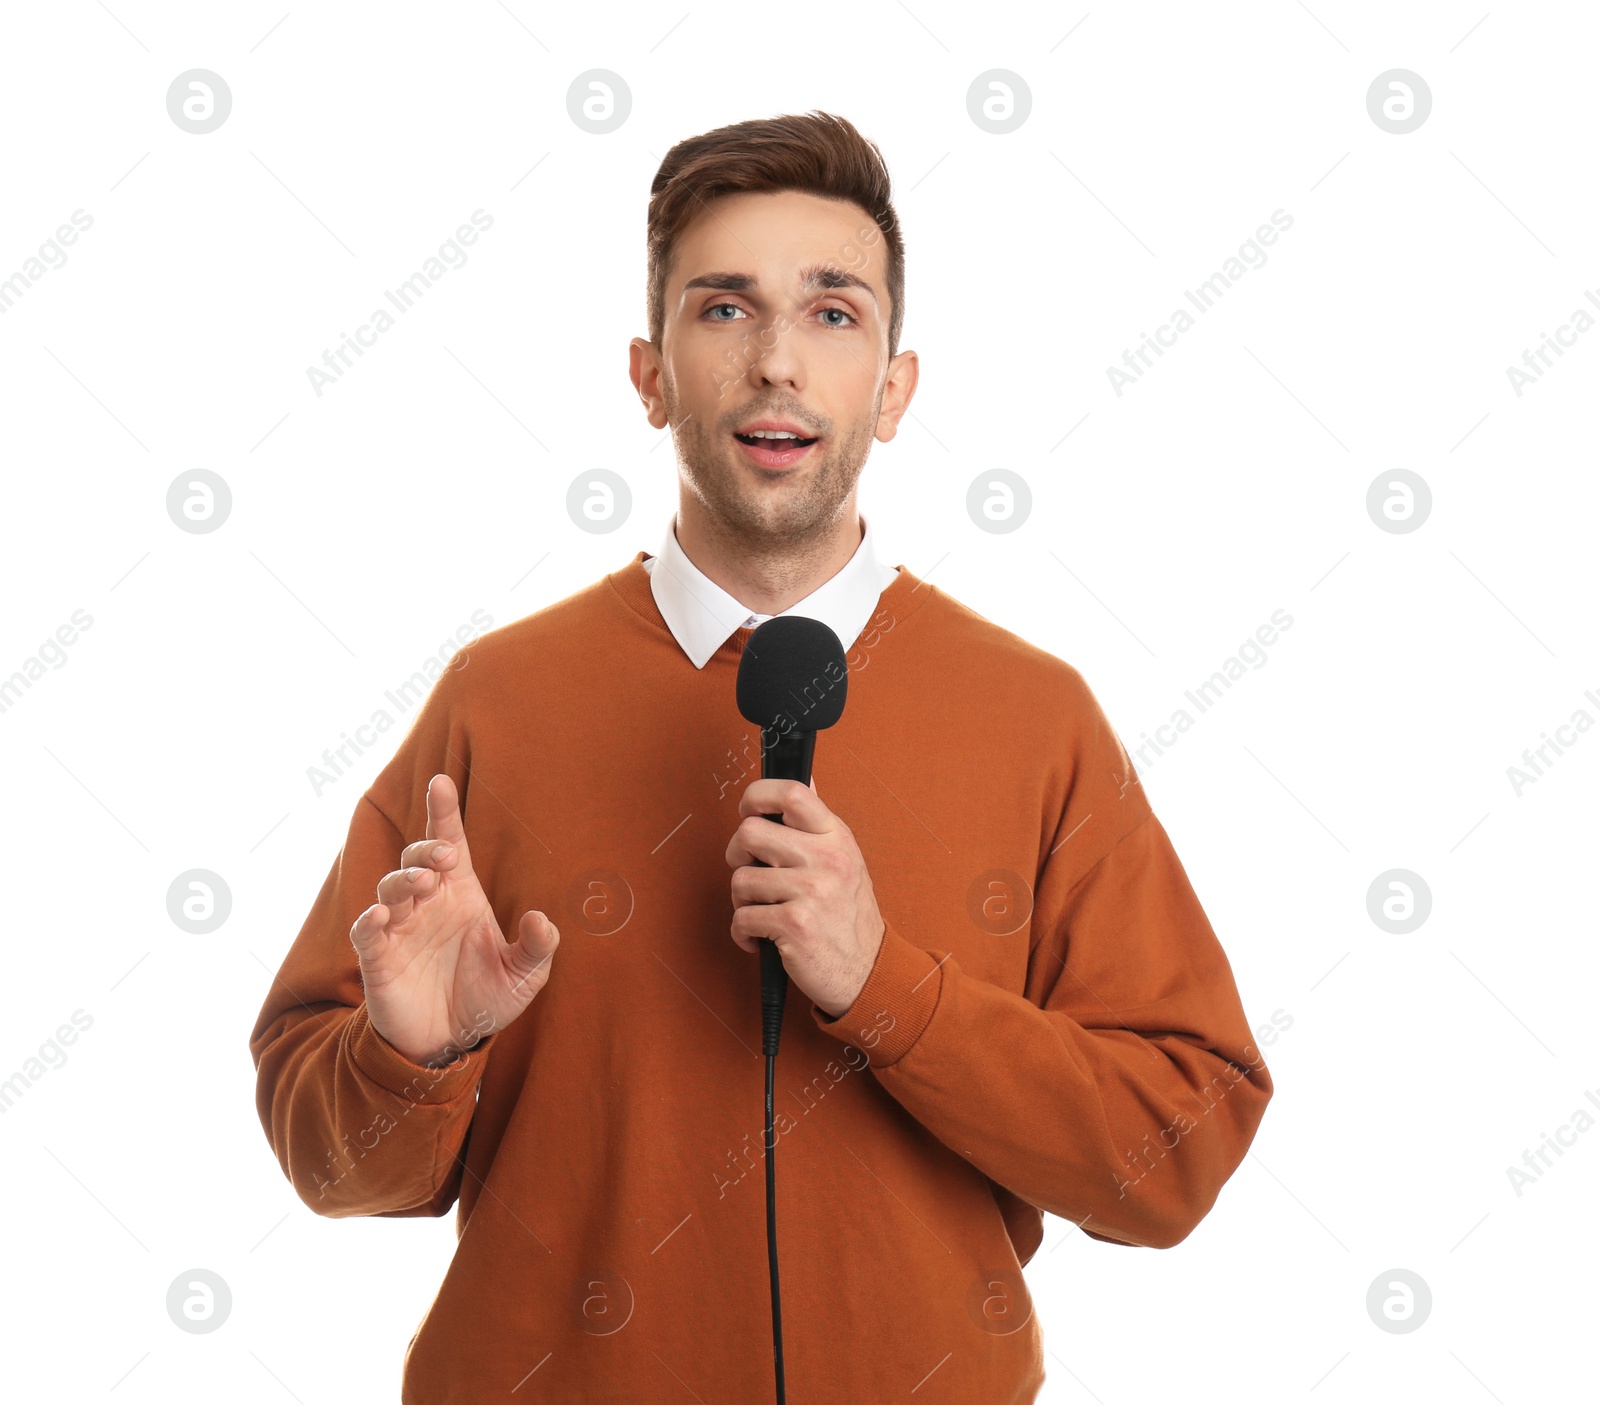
(792, 675)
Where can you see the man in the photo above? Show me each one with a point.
(1016, 1003)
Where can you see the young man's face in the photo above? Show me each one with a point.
(776, 310)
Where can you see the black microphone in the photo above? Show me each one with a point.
(792, 682)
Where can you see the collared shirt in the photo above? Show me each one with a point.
(702, 615)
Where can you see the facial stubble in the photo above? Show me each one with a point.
(768, 521)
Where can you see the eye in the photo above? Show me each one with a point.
(848, 316)
(714, 306)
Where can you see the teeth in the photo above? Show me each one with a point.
(770, 434)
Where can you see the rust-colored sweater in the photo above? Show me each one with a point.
(1050, 1024)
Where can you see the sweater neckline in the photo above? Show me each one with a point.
(902, 597)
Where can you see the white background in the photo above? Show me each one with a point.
(1231, 481)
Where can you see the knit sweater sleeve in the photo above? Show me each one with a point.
(358, 1128)
(1120, 1088)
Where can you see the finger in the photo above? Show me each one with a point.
(397, 889)
(747, 928)
(764, 839)
(798, 804)
(444, 813)
(368, 930)
(763, 886)
(420, 855)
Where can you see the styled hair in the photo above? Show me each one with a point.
(819, 153)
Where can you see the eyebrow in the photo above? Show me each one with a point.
(817, 275)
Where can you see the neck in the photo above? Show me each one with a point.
(767, 582)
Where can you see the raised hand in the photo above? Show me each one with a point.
(438, 973)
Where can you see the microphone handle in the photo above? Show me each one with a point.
(786, 757)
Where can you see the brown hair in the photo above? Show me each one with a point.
(818, 153)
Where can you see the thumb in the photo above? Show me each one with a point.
(533, 950)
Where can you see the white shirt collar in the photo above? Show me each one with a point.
(702, 615)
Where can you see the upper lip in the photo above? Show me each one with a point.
(789, 425)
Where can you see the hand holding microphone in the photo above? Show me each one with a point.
(804, 884)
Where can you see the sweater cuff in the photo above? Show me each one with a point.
(392, 1071)
(894, 1007)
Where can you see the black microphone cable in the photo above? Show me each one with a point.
(794, 757)
(774, 988)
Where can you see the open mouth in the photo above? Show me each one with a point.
(773, 453)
